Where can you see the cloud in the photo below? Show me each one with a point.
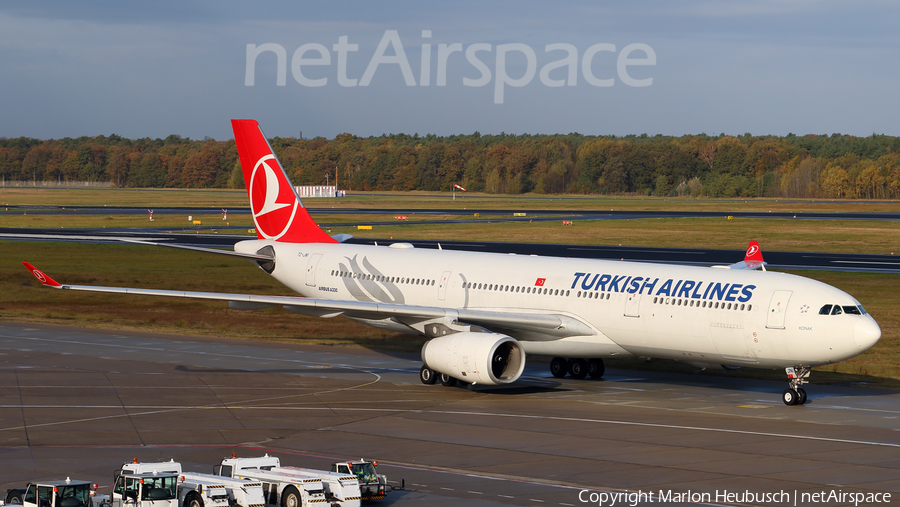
(154, 69)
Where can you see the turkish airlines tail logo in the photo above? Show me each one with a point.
(753, 252)
(277, 211)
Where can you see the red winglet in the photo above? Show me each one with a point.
(753, 253)
(44, 279)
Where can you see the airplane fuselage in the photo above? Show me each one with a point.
(696, 314)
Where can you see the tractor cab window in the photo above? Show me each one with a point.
(75, 496)
(29, 494)
(159, 488)
(44, 496)
(365, 472)
(128, 487)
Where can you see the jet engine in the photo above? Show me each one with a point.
(477, 358)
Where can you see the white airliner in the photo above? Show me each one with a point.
(484, 312)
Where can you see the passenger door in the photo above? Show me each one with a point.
(778, 309)
(311, 267)
(633, 305)
(442, 288)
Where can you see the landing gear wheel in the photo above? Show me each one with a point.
(427, 375)
(790, 397)
(559, 367)
(797, 376)
(447, 380)
(578, 368)
(596, 368)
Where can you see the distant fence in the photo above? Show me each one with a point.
(54, 184)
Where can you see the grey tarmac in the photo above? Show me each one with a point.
(78, 402)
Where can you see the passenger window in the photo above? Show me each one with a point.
(825, 310)
(836, 310)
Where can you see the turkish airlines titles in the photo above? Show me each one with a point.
(673, 288)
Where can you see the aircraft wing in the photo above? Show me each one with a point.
(556, 325)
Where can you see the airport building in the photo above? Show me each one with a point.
(319, 191)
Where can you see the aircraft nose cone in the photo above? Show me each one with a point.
(867, 333)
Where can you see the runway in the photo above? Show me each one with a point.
(79, 402)
(688, 256)
(495, 214)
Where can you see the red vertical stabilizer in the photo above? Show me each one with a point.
(754, 254)
(277, 210)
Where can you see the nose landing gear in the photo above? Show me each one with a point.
(797, 376)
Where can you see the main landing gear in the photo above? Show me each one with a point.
(429, 376)
(577, 368)
(797, 376)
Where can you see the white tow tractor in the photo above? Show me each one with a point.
(237, 492)
(340, 489)
(67, 493)
(280, 489)
(147, 490)
(371, 485)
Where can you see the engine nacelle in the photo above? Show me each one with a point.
(478, 358)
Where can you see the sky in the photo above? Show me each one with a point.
(152, 69)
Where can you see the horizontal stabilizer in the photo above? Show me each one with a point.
(255, 257)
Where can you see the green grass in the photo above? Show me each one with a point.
(89, 221)
(773, 234)
(226, 198)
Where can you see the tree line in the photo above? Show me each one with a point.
(822, 166)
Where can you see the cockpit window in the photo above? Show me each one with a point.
(838, 310)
